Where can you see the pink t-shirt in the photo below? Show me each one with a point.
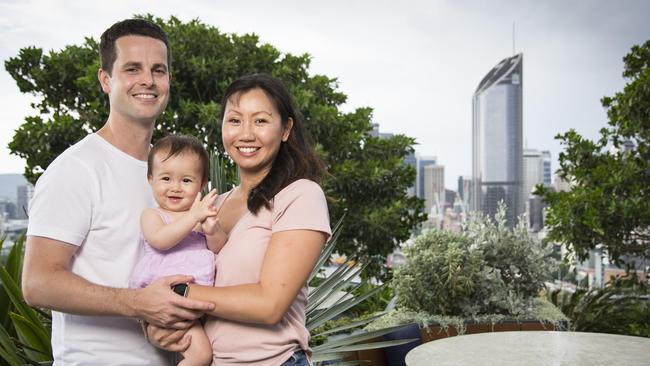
(299, 206)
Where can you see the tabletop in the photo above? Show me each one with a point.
(534, 348)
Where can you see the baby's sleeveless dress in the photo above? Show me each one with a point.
(190, 256)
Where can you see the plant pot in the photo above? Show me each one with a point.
(435, 331)
(395, 355)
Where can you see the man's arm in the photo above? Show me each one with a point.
(48, 282)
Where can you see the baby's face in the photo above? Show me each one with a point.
(176, 180)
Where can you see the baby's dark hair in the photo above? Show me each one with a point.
(179, 144)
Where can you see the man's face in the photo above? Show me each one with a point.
(138, 88)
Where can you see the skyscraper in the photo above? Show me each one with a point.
(423, 161)
(24, 194)
(533, 172)
(497, 142)
(548, 174)
(434, 186)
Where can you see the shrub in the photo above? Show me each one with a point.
(487, 269)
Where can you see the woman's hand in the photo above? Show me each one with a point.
(173, 340)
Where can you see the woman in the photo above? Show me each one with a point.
(277, 223)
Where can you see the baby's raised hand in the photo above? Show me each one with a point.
(203, 208)
(211, 226)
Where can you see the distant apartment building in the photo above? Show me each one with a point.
(434, 187)
(497, 139)
(412, 161)
(422, 163)
(561, 185)
(548, 172)
(24, 195)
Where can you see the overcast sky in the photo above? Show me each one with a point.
(417, 63)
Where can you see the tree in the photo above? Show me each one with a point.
(609, 202)
(368, 178)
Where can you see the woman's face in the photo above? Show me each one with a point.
(252, 131)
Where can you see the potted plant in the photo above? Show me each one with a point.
(486, 278)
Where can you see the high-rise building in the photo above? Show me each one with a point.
(412, 160)
(24, 195)
(465, 188)
(434, 187)
(548, 173)
(423, 161)
(536, 170)
(533, 172)
(497, 142)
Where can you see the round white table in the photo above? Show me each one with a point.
(533, 349)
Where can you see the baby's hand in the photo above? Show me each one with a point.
(211, 226)
(203, 208)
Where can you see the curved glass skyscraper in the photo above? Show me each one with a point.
(497, 124)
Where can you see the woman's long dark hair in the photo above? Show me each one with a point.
(296, 158)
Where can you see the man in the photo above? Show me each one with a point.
(82, 237)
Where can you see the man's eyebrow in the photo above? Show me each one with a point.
(139, 65)
(132, 64)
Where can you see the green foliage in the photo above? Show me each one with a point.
(368, 178)
(24, 331)
(617, 308)
(609, 202)
(488, 269)
(540, 310)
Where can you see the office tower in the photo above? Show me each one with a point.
(423, 161)
(533, 172)
(465, 188)
(412, 160)
(548, 173)
(24, 195)
(450, 197)
(561, 185)
(434, 187)
(497, 122)
(382, 135)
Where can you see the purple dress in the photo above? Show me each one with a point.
(190, 256)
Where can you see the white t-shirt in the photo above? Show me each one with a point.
(92, 196)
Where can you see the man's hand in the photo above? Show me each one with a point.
(159, 305)
(172, 340)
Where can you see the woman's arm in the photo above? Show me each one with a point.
(290, 258)
(164, 236)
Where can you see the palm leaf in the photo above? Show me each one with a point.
(16, 297)
(351, 325)
(34, 335)
(8, 350)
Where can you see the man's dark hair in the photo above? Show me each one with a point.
(175, 145)
(129, 27)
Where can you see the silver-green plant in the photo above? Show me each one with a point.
(487, 269)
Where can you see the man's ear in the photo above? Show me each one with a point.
(104, 80)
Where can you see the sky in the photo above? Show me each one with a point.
(416, 63)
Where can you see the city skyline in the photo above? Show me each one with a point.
(417, 67)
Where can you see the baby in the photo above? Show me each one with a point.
(182, 235)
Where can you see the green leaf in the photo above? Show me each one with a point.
(8, 350)
(356, 338)
(16, 297)
(34, 335)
